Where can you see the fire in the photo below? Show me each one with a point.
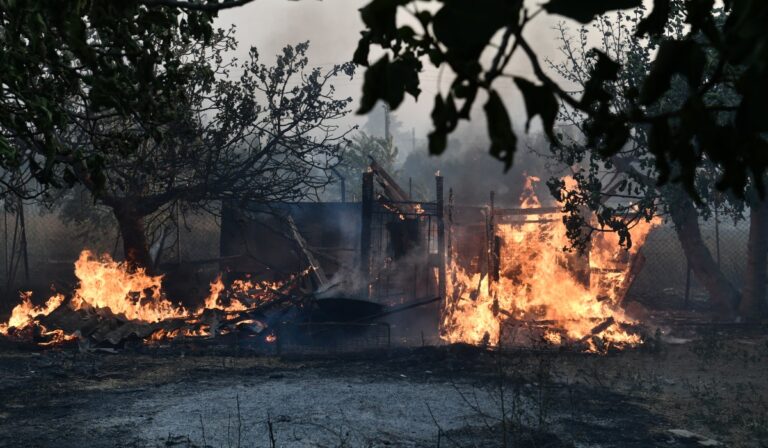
(25, 313)
(23, 318)
(242, 294)
(105, 283)
(539, 286)
(213, 301)
(134, 295)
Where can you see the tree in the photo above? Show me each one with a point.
(614, 193)
(114, 54)
(270, 135)
(700, 101)
(462, 36)
(357, 157)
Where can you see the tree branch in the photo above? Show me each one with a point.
(194, 6)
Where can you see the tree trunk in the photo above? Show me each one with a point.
(752, 303)
(135, 244)
(723, 296)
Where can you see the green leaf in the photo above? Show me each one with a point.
(684, 57)
(658, 140)
(466, 27)
(698, 13)
(604, 70)
(615, 137)
(656, 21)
(363, 48)
(390, 81)
(585, 11)
(503, 138)
(539, 100)
(374, 85)
(445, 117)
(465, 89)
(438, 140)
(380, 17)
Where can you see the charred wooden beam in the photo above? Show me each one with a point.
(601, 327)
(440, 236)
(316, 270)
(365, 231)
(390, 186)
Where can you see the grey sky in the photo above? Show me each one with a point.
(333, 28)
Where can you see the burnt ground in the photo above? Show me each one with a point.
(451, 396)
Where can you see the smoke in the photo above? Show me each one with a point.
(472, 173)
(333, 29)
(345, 283)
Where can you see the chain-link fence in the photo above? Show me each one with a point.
(666, 276)
(53, 245)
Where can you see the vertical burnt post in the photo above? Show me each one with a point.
(342, 184)
(450, 224)
(440, 235)
(493, 243)
(365, 231)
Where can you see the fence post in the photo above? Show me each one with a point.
(450, 224)
(440, 235)
(365, 231)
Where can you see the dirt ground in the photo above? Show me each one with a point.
(714, 383)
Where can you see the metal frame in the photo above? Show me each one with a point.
(378, 211)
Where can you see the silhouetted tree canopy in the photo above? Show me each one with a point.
(113, 54)
(477, 40)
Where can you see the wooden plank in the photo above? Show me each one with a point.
(391, 188)
(499, 212)
(317, 270)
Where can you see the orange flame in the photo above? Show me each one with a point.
(538, 286)
(24, 314)
(135, 295)
(105, 283)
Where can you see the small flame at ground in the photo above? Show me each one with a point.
(25, 313)
(136, 296)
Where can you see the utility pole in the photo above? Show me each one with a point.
(387, 124)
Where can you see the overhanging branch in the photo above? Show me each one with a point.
(194, 6)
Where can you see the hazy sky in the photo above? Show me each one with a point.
(333, 28)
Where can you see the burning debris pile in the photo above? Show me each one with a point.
(517, 286)
(112, 304)
(541, 292)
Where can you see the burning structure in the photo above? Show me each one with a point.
(481, 275)
(517, 275)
